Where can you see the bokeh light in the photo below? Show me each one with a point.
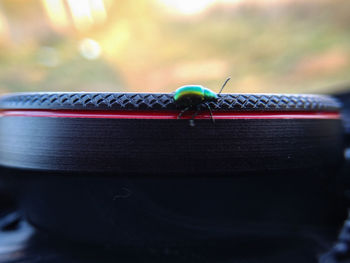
(48, 56)
(90, 49)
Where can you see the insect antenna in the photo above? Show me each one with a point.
(224, 84)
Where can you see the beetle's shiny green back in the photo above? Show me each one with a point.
(189, 90)
(197, 92)
(209, 94)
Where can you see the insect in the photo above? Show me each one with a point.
(193, 97)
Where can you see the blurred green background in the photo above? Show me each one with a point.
(158, 45)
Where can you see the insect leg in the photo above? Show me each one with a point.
(210, 111)
(194, 115)
(182, 112)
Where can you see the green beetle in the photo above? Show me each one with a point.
(193, 97)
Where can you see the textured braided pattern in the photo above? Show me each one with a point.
(158, 101)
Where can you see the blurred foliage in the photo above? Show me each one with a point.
(265, 46)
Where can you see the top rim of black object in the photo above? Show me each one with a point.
(165, 101)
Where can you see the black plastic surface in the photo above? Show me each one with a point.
(26, 245)
(127, 146)
(174, 211)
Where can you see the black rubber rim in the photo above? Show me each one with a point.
(164, 101)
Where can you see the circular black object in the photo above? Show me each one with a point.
(120, 169)
(130, 133)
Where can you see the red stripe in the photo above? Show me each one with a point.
(166, 114)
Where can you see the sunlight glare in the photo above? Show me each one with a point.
(115, 39)
(98, 11)
(4, 29)
(57, 14)
(188, 7)
(86, 13)
(81, 14)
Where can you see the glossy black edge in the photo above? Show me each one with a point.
(164, 101)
